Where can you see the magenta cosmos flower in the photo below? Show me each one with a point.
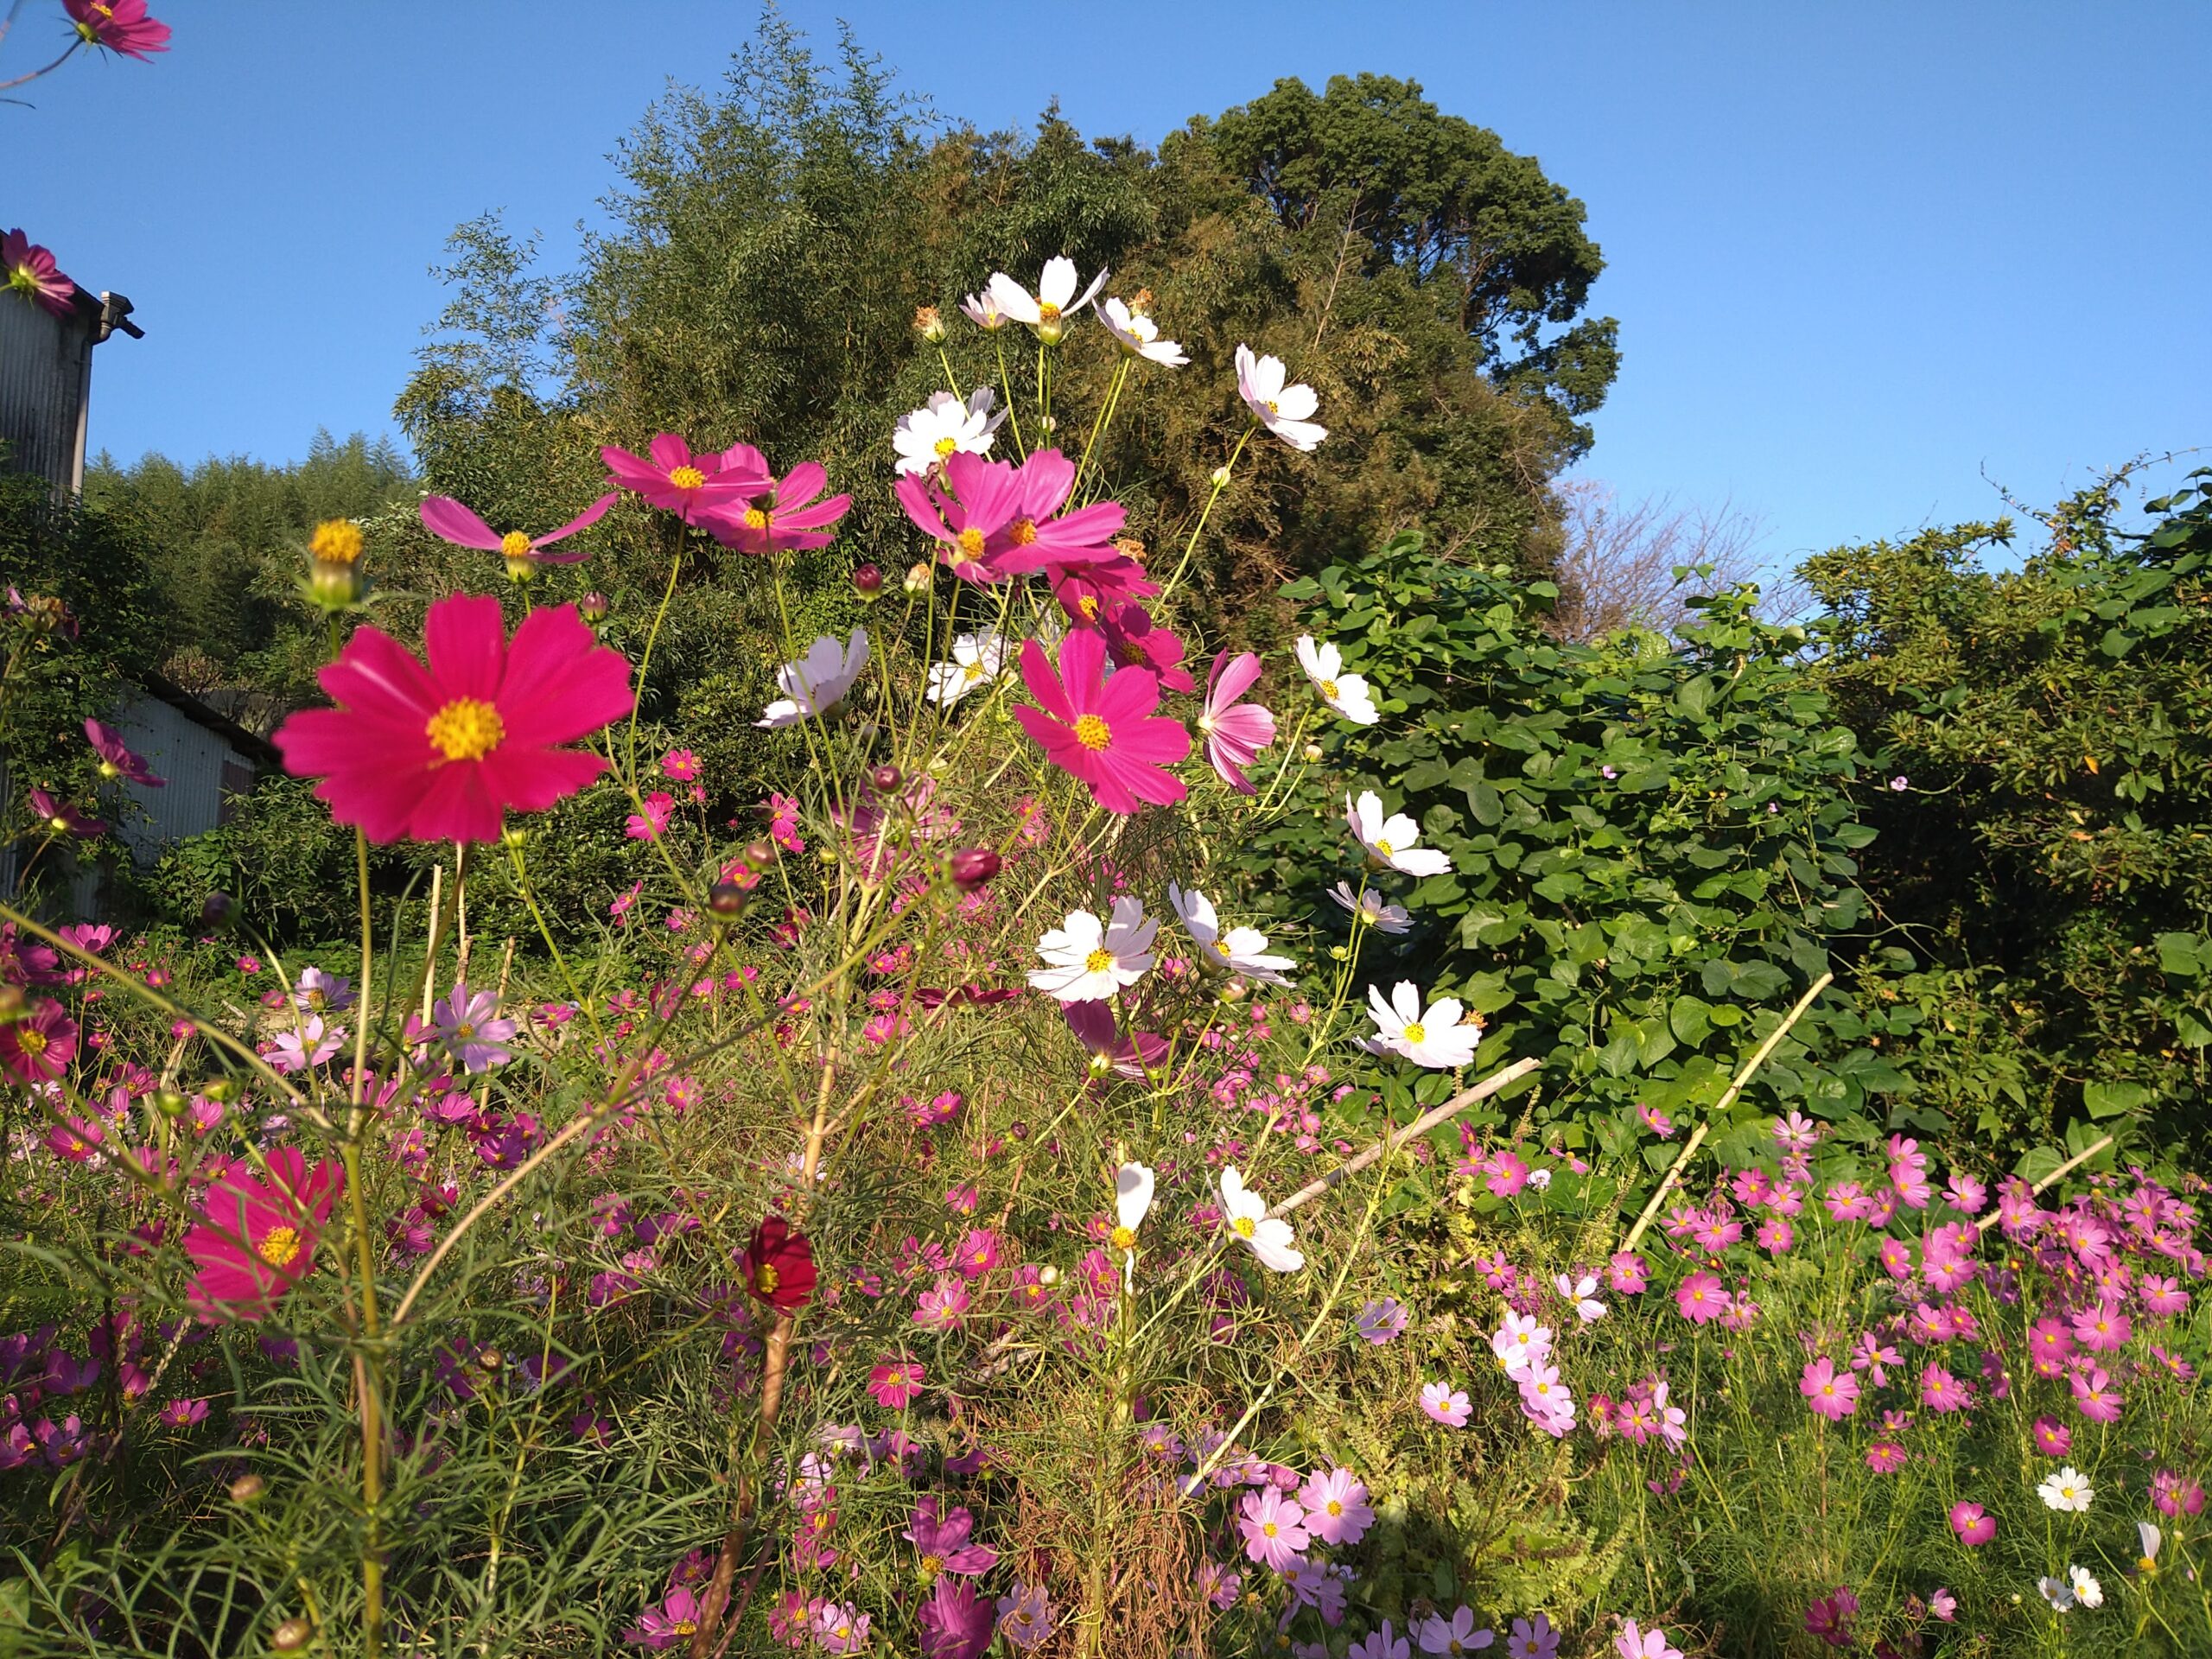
(942, 1541)
(997, 520)
(1975, 1525)
(439, 752)
(1103, 730)
(259, 1239)
(60, 818)
(1830, 1393)
(782, 514)
(38, 1047)
(28, 270)
(449, 520)
(1235, 734)
(120, 26)
(669, 477)
(116, 758)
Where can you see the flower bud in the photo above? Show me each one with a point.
(726, 900)
(290, 1635)
(490, 1360)
(515, 836)
(1232, 990)
(760, 854)
(1019, 1131)
(334, 563)
(247, 1488)
(867, 582)
(884, 780)
(1047, 422)
(1220, 477)
(917, 580)
(222, 1091)
(170, 1103)
(593, 607)
(215, 909)
(12, 1002)
(928, 324)
(972, 867)
(1312, 753)
(1048, 1274)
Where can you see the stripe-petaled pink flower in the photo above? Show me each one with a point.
(1102, 730)
(28, 270)
(782, 514)
(439, 753)
(669, 477)
(1234, 733)
(449, 520)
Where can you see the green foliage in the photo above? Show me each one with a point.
(1652, 845)
(2051, 852)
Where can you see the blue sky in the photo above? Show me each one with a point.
(1866, 260)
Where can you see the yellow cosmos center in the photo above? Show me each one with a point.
(1047, 312)
(686, 478)
(1385, 848)
(465, 729)
(1243, 1226)
(931, 1565)
(1416, 1032)
(514, 545)
(1093, 733)
(1329, 689)
(1274, 408)
(684, 1627)
(765, 1278)
(1221, 949)
(1267, 1527)
(972, 672)
(971, 543)
(756, 518)
(2145, 1564)
(32, 1041)
(1089, 605)
(279, 1247)
(945, 446)
(1022, 531)
(336, 541)
(1098, 961)
(1124, 1239)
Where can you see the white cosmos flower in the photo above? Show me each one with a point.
(984, 310)
(818, 681)
(946, 427)
(1282, 410)
(1088, 961)
(1583, 1293)
(978, 659)
(1133, 1190)
(1247, 1214)
(1049, 310)
(1242, 950)
(2087, 1590)
(2066, 1490)
(1345, 693)
(1138, 335)
(2150, 1537)
(1434, 1037)
(1368, 904)
(1391, 840)
(2056, 1593)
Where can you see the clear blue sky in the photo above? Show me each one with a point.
(1862, 255)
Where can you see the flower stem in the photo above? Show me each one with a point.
(1220, 483)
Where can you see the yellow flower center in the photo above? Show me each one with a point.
(1267, 1527)
(1093, 733)
(31, 1041)
(1124, 1238)
(1329, 689)
(971, 543)
(1022, 531)
(931, 1565)
(1243, 1226)
(1274, 408)
(336, 541)
(687, 478)
(514, 545)
(1047, 312)
(1089, 605)
(279, 1247)
(465, 729)
(766, 1278)
(1098, 961)
(1385, 848)
(756, 518)
(945, 446)
(464, 1031)
(2145, 1564)
(1335, 1506)
(684, 1627)
(1221, 949)
(972, 671)
(1416, 1033)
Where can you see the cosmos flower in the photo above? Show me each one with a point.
(1102, 730)
(1583, 1293)
(1367, 906)
(446, 518)
(1138, 335)
(895, 1383)
(940, 1539)
(1381, 1321)
(1088, 961)
(1445, 1404)
(1283, 409)
(439, 753)
(1234, 733)
(667, 1622)
(58, 817)
(930, 436)
(817, 681)
(1246, 1214)
(1242, 950)
(469, 1026)
(257, 1238)
(1345, 693)
(28, 270)
(2066, 1490)
(1135, 640)
(671, 477)
(1975, 1525)
(978, 659)
(1433, 1036)
(1053, 307)
(1830, 1393)
(1025, 1616)
(1391, 841)
(1634, 1643)
(1337, 1510)
(783, 515)
(1383, 1643)
(317, 992)
(1534, 1639)
(778, 1266)
(116, 758)
(304, 1047)
(38, 1047)
(1274, 1526)
(118, 26)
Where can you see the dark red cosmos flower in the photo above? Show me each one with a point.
(778, 1266)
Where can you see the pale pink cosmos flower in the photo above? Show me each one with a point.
(1273, 1527)
(1053, 307)
(1284, 410)
(1384, 1643)
(1337, 1510)
(943, 1304)
(1445, 1404)
(1457, 1634)
(1634, 1643)
(1234, 734)
(1382, 1321)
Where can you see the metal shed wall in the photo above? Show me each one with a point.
(200, 767)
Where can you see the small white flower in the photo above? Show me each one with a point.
(983, 311)
(1434, 1037)
(978, 659)
(1522, 1343)
(946, 427)
(2056, 1593)
(2067, 1489)
(1138, 335)
(1049, 310)
(1539, 1178)
(1242, 950)
(2087, 1590)
(1369, 907)
(2150, 1537)
(1282, 410)
(1583, 1293)
(1133, 1190)
(1345, 693)
(818, 681)
(1089, 961)
(1391, 841)
(1247, 1214)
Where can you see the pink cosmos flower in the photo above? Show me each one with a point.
(28, 270)
(439, 752)
(978, 1254)
(1776, 1236)
(38, 1047)
(1457, 1634)
(2103, 1329)
(1135, 640)
(1381, 1643)
(258, 1238)
(2176, 1495)
(1382, 1321)
(2093, 1393)
(1702, 1297)
(1445, 1404)
(782, 514)
(1975, 1525)
(1102, 730)
(1337, 1510)
(666, 1622)
(1234, 735)
(2052, 1438)
(1830, 1618)
(680, 764)
(1654, 1120)
(58, 817)
(1273, 1527)
(942, 1541)
(1628, 1274)
(118, 26)
(676, 480)
(449, 520)
(996, 520)
(943, 1304)
(2163, 1295)
(116, 758)
(956, 1621)
(1637, 1644)
(1830, 1393)
(1940, 1391)
(652, 823)
(1885, 1457)
(2050, 1344)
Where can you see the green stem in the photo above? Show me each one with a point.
(1220, 483)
